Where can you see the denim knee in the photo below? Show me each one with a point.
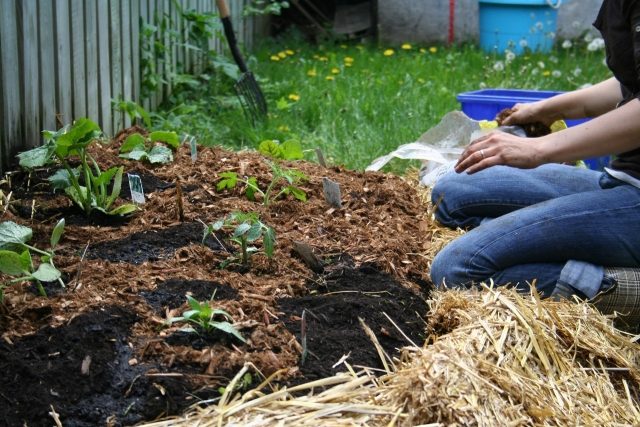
(442, 270)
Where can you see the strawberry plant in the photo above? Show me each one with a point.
(247, 228)
(16, 257)
(73, 141)
(207, 318)
(156, 148)
(284, 182)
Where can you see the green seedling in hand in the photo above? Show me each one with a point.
(283, 182)
(73, 141)
(207, 318)
(156, 148)
(247, 228)
(16, 257)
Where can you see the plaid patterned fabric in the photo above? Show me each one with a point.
(623, 297)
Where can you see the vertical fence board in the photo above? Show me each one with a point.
(135, 51)
(143, 20)
(115, 30)
(91, 57)
(104, 68)
(11, 101)
(127, 60)
(151, 8)
(64, 100)
(79, 79)
(47, 65)
(30, 75)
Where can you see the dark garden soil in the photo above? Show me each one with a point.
(101, 350)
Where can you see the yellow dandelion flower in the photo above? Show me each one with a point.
(330, 78)
(388, 52)
(406, 46)
(294, 97)
(348, 60)
(546, 73)
(423, 50)
(289, 52)
(323, 59)
(283, 128)
(282, 54)
(275, 58)
(335, 70)
(312, 72)
(433, 49)
(348, 64)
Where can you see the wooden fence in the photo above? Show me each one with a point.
(65, 59)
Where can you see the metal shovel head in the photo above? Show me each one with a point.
(251, 97)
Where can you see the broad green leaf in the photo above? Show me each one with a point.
(133, 142)
(57, 233)
(297, 193)
(160, 154)
(135, 154)
(169, 138)
(271, 148)
(291, 150)
(105, 177)
(227, 67)
(12, 263)
(13, 235)
(252, 188)
(117, 185)
(61, 178)
(241, 229)
(77, 197)
(269, 241)
(254, 232)
(47, 273)
(123, 210)
(194, 303)
(228, 328)
(220, 312)
(27, 262)
(79, 135)
(37, 157)
(229, 180)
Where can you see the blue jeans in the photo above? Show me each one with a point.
(536, 226)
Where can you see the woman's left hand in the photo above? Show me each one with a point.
(499, 148)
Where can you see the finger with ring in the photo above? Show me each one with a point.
(482, 153)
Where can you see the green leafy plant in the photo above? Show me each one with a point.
(246, 228)
(264, 7)
(284, 182)
(135, 112)
(207, 318)
(155, 148)
(288, 150)
(16, 256)
(73, 141)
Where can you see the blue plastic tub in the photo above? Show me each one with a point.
(485, 104)
(518, 24)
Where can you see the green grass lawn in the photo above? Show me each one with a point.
(359, 101)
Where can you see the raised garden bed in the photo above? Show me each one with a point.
(102, 350)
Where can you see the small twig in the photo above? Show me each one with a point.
(55, 416)
(80, 265)
(399, 330)
(303, 336)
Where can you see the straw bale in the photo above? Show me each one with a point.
(493, 357)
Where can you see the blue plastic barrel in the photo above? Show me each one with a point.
(485, 104)
(518, 24)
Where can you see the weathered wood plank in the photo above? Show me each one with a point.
(91, 57)
(135, 50)
(104, 68)
(79, 79)
(127, 60)
(64, 94)
(47, 59)
(151, 8)
(11, 131)
(30, 73)
(115, 31)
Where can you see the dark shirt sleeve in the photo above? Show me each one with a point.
(633, 12)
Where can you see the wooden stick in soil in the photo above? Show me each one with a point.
(179, 201)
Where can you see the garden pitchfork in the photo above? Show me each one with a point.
(251, 97)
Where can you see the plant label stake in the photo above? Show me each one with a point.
(321, 158)
(137, 191)
(331, 191)
(194, 149)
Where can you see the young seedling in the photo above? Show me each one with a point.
(283, 182)
(247, 228)
(16, 256)
(73, 141)
(156, 148)
(207, 318)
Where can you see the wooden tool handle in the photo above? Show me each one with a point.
(223, 9)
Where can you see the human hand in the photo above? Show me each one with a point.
(525, 113)
(499, 148)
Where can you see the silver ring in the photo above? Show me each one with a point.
(482, 153)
